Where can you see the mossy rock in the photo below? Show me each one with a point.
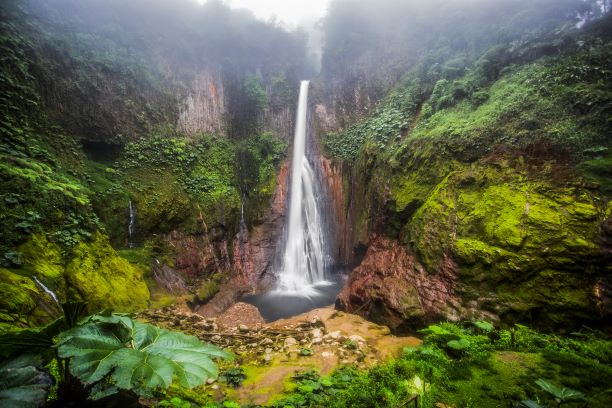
(160, 204)
(23, 303)
(104, 279)
(44, 260)
(528, 243)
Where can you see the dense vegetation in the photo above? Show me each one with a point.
(89, 113)
(472, 158)
(361, 34)
(471, 365)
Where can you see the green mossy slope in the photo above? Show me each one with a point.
(502, 168)
(526, 249)
(104, 279)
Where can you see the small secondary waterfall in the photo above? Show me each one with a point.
(131, 224)
(303, 262)
(47, 290)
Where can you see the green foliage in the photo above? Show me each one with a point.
(23, 384)
(174, 402)
(113, 352)
(458, 341)
(487, 372)
(382, 128)
(560, 394)
(527, 404)
(233, 376)
(255, 93)
(178, 183)
(483, 326)
(305, 351)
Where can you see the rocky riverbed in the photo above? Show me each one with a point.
(270, 353)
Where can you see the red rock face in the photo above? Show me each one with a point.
(196, 254)
(255, 250)
(391, 287)
(343, 213)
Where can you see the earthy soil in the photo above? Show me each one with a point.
(270, 353)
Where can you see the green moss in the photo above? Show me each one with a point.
(207, 290)
(138, 256)
(104, 279)
(526, 242)
(44, 260)
(22, 303)
(553, 296)
(17, 293)
(472, 251)
(599, 171)
(507, 376)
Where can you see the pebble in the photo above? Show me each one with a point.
(357, 339)
(334, 335)
(243, 328)
(327, 354)
(314, 333)
(290, 341)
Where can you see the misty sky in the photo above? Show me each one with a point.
(291, 12)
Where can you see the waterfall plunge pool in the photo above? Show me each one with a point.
(277, 304)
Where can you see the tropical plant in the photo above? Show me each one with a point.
(306, 351)
(23, 383)
(112, 352)
(560, 394)
(233, 376)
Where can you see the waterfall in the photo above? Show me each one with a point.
(47, 290)
(131, 224)
(303, 262)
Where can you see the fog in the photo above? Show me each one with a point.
(291, 14)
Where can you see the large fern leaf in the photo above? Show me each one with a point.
(116, 351)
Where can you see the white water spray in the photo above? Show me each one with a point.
(303, 262)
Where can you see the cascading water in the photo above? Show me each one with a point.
(131, 224)
(303, 262)
(47, 290)
(303, 280)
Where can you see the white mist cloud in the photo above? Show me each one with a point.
(292, 13)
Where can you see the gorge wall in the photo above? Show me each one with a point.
(460, 195)
(100, 113)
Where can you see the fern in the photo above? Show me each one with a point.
(114, 352)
